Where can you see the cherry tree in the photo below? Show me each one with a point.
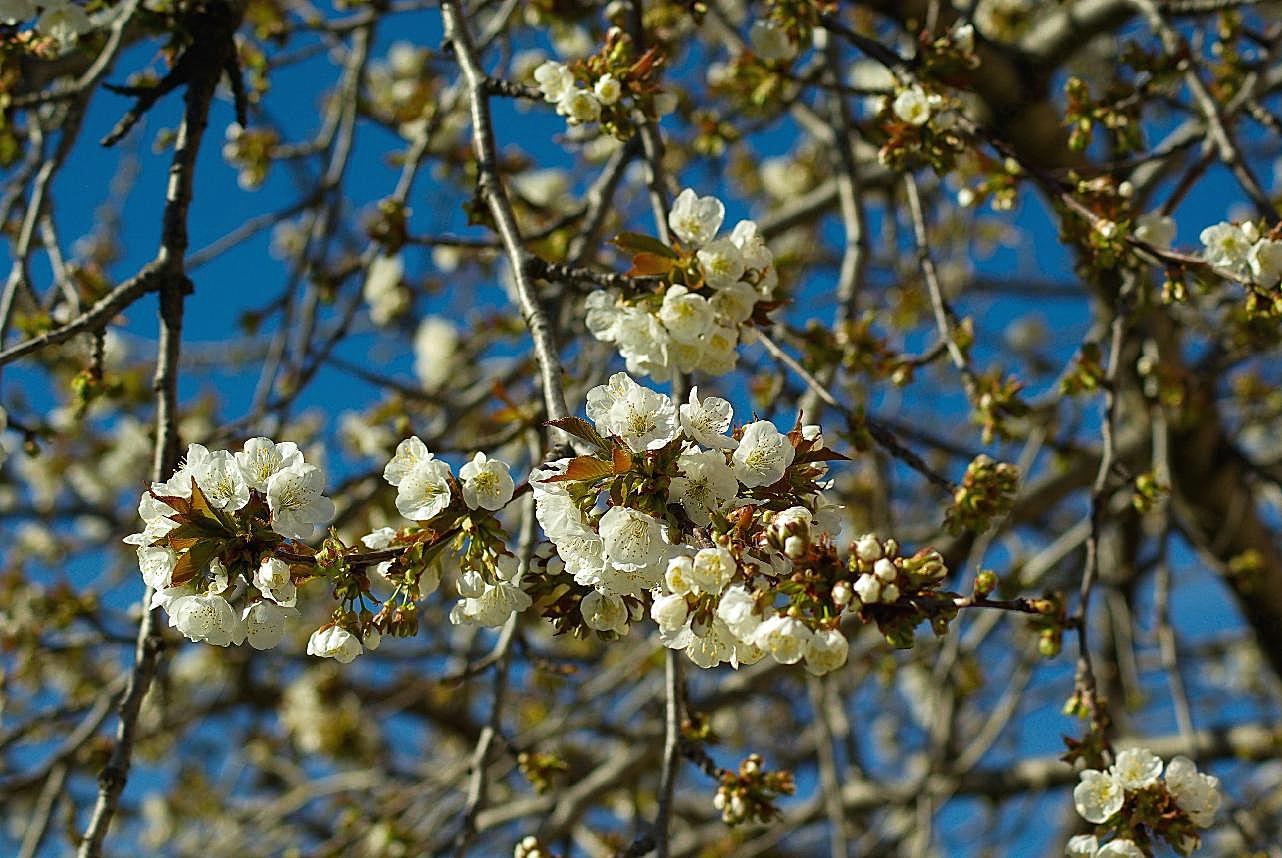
(697, 428)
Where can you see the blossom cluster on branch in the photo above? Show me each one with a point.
(701, 297)
(1133, 802)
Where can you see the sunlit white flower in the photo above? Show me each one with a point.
(747, 236)
(554, 80)
(157, 566)
(632, 539)
(265, 624)
(425, 491)
(273, 580)
(436, 348)
(1227, 246)
(643, 418)
(826, 651)
(1265, 260)
(686, 315)
(261, 457)
(1082, 846)
(705, 421)
(722, 262)
(579, 106)
(1136, 768)
(763, 455)
(1197, 793)
(295, 500)
(696, 219)
(669, 611)
(706, 485)
(735, 303)
(608, 90)
(604, 612)
(1120, 848)
(334, 642)
(868, 589)
(1155, 228)
(912, 105)
(1097, 796)
(204, 618)
(409, 453)
(492, 608)
(221, 481)
(487, 483)
(712, 569)
(785, 638)
(737, 609)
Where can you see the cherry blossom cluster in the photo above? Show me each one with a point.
(60, 21)
(210, 537)
(709, 288)
(726, 536)
(456, 531)
(1243, 251)
(610, 87)
(1132, 801)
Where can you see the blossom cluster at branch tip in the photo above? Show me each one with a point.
(726, 537)
(1241, 250)
(1135, 790)
(487, 575)
(703, 304)
(209, 534)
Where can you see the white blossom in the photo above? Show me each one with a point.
(436, 347)
(734, 303)
(16, 11)
(1265, 260)
(262, 457)
(1227, 246)
(826, 651)
(669, 611)
(492, 607)
(686, 315)
(487, 483)
(712, 569)
(204, 618)
(785, 638)
(383, 290)
(295, 500)
(222, 482)
(644, 419)
(737, 609)
(1155, 228)
(912, 105)
(706, 421)
(265, 624)
(604, 612)
(1120, 848)
(157, 566)
(272, 578)
(706, 485)
(579, 106)
(425, 491)
(409, 453)
(1136, 768)
(607, 89)
(763, 455)
(1196, 793)
(1082, 846)
(696, 219)
(554, 80)
(1097, 796)
(722, 262)
(631, 538)
(63, 22)
(334, 642)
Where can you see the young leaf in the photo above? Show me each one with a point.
(583, 430)
(648, 265)
(636, 243)
(622, 460)
(585, 468)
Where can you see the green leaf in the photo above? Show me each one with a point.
(637, 243)
(649, 265)
(195, 561)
